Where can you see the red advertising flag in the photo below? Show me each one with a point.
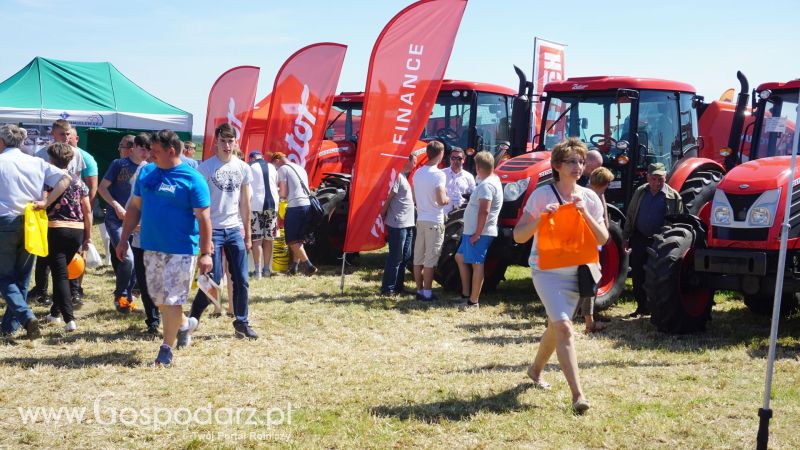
(256, 130)
(548, 65)
(230, 101)
(405, 73)
(301, 100)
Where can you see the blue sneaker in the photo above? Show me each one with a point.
(164, 357)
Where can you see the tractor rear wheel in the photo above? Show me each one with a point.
(675, 306)
(446, 273)
(699, 190)
(614, 265)
(323, 246)
(761, 304)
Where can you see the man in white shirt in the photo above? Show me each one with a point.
(23, 179)
(228, 179)
(431, 198)
(458, 181)
(264, 207)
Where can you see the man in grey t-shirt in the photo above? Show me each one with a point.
(480, 229)
(398, 215)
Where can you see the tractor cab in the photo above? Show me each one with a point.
(775, 126)
(633, 122)
(470, 115)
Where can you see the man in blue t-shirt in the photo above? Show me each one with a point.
(171, 200)
(115, 190)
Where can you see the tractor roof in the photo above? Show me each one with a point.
(794, 84)
(453, 85)
(603, 83)
(447, 86)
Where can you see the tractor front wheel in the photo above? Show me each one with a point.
(699, 190)
(675, 305)
(614, 265)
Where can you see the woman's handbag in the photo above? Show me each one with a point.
(36, 231)
(316, 212)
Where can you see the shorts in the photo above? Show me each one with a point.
(474, 254)
(295, 223)
(428, 245)
(169, 277)
(263, 225)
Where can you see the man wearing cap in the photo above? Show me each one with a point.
(650, 204)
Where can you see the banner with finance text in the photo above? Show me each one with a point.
(230, 101)
(301, 100)
(405, 73)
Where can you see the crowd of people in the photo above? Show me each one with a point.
(217, 212)
(223, 209)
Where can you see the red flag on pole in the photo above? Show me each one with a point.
(548, 65)
(230, 101)
(301, 100)
(405, 73)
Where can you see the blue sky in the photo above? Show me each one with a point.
(176, 49)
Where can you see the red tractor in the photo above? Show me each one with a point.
(736, 247)
(633, 122)
(473, 116)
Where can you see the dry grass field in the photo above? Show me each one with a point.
(356, 370)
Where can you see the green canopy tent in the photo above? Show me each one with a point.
(87, 94)
(94, 97)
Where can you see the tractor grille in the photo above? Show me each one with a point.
(740, 234)
(794, 213)
(510, 210)
(741, 203)
(517, 164)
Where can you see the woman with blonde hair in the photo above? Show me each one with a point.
(558, 288)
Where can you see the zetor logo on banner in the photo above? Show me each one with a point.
(302, 131)
(233, 120)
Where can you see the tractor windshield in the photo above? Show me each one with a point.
(598, 119)
(449, 120)
(777, 117)
(344, 121)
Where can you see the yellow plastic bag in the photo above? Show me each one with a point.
(36, 231)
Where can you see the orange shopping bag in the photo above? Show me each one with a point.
(564, 239)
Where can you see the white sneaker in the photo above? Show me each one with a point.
(257, 275)
(70, 326)
(52, 320)
(185, 334)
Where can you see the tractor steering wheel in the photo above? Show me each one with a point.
(447, 133)
(601, 141)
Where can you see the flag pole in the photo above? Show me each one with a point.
(765, 413)
(341, 280)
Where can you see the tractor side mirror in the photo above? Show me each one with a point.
(584, 123)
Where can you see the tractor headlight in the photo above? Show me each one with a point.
(759, 216)
(721, 215)
(513, 191)
(762, 214)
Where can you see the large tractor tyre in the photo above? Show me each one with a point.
(446, 273)
(320, 246)
(699, 190)
(614, 265)
(494, 270)
(675, 306)
(761, 304)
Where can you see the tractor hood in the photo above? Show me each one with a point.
(758, 175)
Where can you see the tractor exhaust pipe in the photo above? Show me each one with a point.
(521, 115)
(735, 138)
